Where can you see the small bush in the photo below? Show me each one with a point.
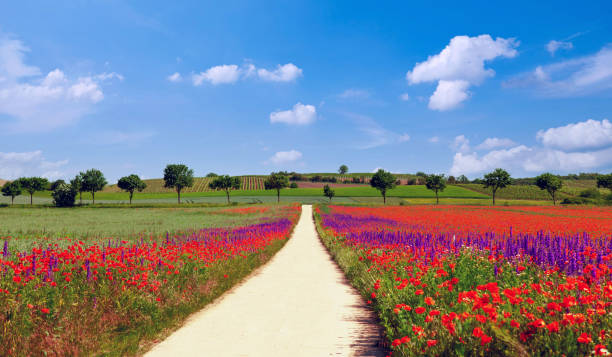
(575, 201)
(590, 193)
(293, 185)
(64, 195)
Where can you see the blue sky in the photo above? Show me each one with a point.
(250, 87)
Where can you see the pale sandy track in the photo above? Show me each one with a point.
(299, 304)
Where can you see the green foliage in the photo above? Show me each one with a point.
(64, 195)
(549, 182)
(590, 193)
(92, 181)
(12, 190)
(463, 179)
(77, 185)
(276, 181)
(178, 176)
(293, 185)
(55, 184)
(383, 181)
(343, 170)
(130, 184)
(225, 183)
(211, 174)
(328, 192)
(605, 181)
(435, 183)
(33, 184)
(495, 180)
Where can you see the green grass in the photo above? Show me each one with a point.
(516, 192)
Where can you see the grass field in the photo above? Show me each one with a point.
(516, 192)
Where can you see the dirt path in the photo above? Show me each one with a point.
(299, 304)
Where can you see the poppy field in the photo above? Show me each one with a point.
(466, 280)
(116, 295)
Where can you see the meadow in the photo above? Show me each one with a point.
(461, 280)
(110, 281)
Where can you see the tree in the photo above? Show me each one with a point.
(497, 179)
(56, 183)
(605, 181)
(383, 181)
(451, 180)
(178, 176)
(225, 183)
(463, 179)
(276, 181)
(550, 183)
(435, 183)
(77, 185)
(211, 174)
(328, 192)
(64, 195)
(33, 184)
(343, 170)
(130, 184)
(93, 181)
(12, 190)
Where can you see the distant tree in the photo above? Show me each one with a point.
(451, 180)
(463, 179)
(293, 185)
(56, 183)
(383, 181)
(421, 174)
(435, 183)
(93, 181)
(77, 185)
(64, 195)
(130, 184)
(276, 181)
(343, 170)
(550, 183)
(12, 190)
(328, 192)
(178, 176)
(225, 183)
(497, 179)
(211, 174)
(605, 181)
(33, 184)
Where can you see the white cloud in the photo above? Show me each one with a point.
(461, 144)
(553, 46)
(301, 114)
(403, 138)
(175, 77)
(492, 143)
(231, 73)
(39, 104)
(285, 73)
(448, 95)
(18, 164)
(556, 154)
(434, 139)
(576, 77)
(284, 157)
(404, 97)
(376, 134)
(460, 65)
(590, 134)
(227, 73)
(353, 93)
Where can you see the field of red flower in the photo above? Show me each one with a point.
(113, 297)
(460, 280)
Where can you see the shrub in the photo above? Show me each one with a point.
(293, 185)
(590, 193)
(575, 201)
(64, 195)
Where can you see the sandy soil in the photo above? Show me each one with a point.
(299, 304)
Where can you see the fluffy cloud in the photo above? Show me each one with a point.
(553, 46)
(448, 95)
(460, 65)
(175, 77)
(556, 154)
(227, 73)
(492, 143)
(231, 73)
(285, 73)
(404, 97)
(41, 103)
(353, 93)
(376, 134)
(576, 77)
(301, 114)
(590, 134)
(32, 163)
(284, 157)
